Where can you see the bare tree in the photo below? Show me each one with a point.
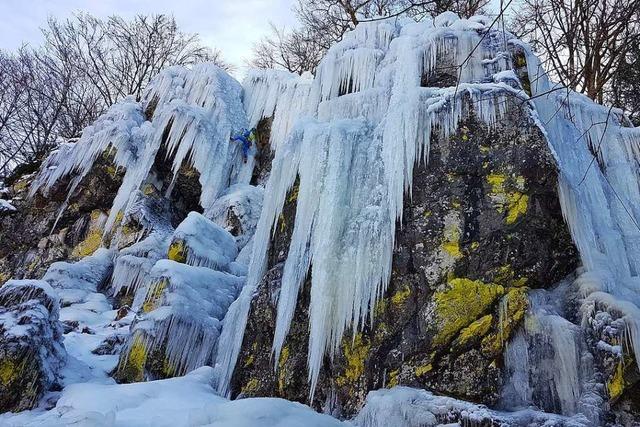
(35, 90)
(582, 42)
(324, 22)
(624, 87)
(85, 65)
(296, 51)
(120, 57)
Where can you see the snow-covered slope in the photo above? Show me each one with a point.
(351, 137)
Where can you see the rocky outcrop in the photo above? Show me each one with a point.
(30, 243)
(31, 350)
(184, 299)
(483, 224)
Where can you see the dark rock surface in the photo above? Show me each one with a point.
(31, 350)
(30, 243)
(483, 225)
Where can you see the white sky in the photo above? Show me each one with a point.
(232, 26)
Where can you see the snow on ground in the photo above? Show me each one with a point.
(183, 401)
(410, 407)
(6, 206)
(88, 317)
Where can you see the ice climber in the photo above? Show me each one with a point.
(246, 137)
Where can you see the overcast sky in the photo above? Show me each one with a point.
(230, 25)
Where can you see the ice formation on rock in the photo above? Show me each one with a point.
(351, 136)
(548, 364)
(404, 406)
(203, 243)
(183, 307)
(31, 350)
(367, 120)
(237, 210)
(597, 154)
(277, 94)
(134, 263)
(193, 114)
(6, 206)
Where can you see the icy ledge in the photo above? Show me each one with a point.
(183, 401)
(191, 401)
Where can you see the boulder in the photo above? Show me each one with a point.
(31, 349)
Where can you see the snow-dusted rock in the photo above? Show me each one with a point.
(180, 322)
(237, 210)
(31, 349)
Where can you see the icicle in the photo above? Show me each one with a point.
(133, 264)
(195, 112)
(362, 127)
(277, 94)
(183, 307)
(599, 192)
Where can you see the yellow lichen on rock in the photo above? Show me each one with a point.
(93, 240)
(513, 201)
(422, 370)
(451, 241)
(251, 386)
(248, 362)
(178, 251)
(400, 297)
(283, 223)
(8, 371)
(282, 373)
(154, 294)
(474, 331)
(393, 378)
(133, 363)
(461, 303)
(149, 189)
(293, 193)
(513, 307)
(356, 354)
(168, 369)
(506, 276)
(615, 384)
(517, 206)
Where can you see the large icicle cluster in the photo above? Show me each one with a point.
(134, 263)
(554, 349)
(183, 308)
(277, 94)
(598, 153)
(193, 113)
(367, 119)
(182, 300)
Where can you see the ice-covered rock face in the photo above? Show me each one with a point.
(411, 202)
(381, 99)
(31, 350)
(378, 100)
(193, 113)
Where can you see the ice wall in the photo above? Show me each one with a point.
(368, 117)
(597, 154)
(192, 112)
(354, 134)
